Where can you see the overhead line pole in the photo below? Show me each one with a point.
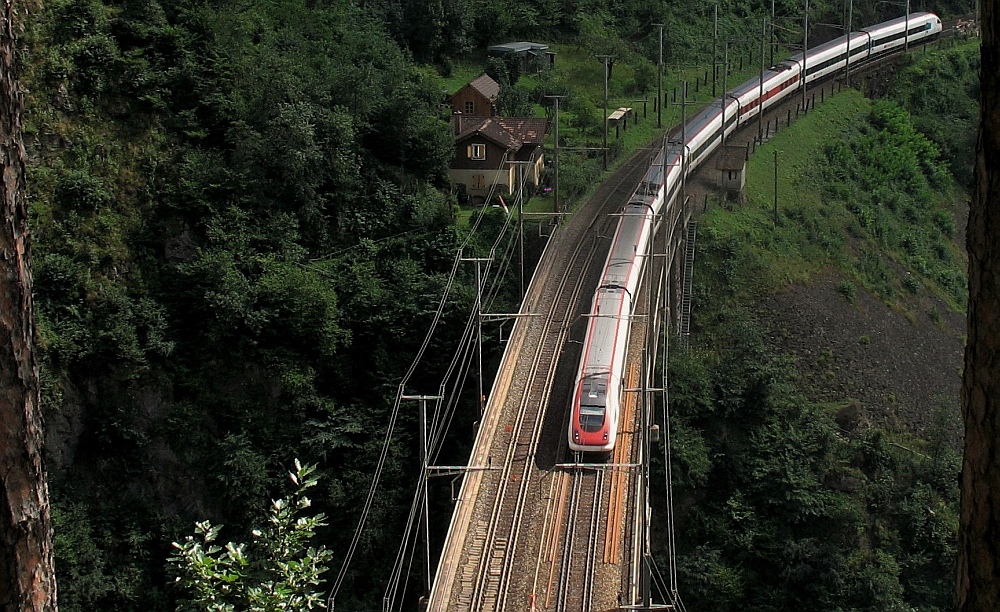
(555, 203)
(805, 50)
(715, 47)
(520, 234)
(479, 326)
(646, 372)
(850, 24)
(523, 178)
(425, 524)
(772, 33)
(647, 554)
(725, 74)
(659, 81)
(906, 28)
(684, 160)
(605, 120)
(760, 97)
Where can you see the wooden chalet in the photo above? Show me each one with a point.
(478, 98)
(500, 151)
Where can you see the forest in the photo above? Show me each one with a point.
(242, 230)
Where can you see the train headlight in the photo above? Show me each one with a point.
(605, 436)
(576, 434)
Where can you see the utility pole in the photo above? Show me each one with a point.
(906, 28)
(605, 119)
(805, 49)
(659, 81)
(760, 106)
(850, 24)
(715, 47)
(425, 524)
(772, 32)
(725, 74)
(555, 196)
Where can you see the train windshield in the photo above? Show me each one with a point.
(591, 418)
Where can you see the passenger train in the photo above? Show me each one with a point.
(598, 388)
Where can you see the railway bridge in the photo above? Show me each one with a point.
(531, 528)
(534, 528)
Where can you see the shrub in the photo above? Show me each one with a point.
(847, 289)
(277, 571)
(944, 221)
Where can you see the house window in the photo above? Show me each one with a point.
(470, 107)
(477, 151)
(479, 181)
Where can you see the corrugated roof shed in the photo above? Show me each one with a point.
(518, 47)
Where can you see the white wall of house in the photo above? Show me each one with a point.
(478, 182)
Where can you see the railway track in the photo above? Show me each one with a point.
(576, 587)
(530, 532)
(513, 483)
(497, 566)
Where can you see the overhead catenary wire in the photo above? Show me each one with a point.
(396, 406)
(440, 423)
(394, 413)
(443, 415)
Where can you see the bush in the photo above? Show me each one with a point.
(276, 571)
(847, 289)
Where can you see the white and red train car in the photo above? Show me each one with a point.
(598, 383)
(597, 391)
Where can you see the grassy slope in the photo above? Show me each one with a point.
(816, 232)
(792, 253)
(870, 343)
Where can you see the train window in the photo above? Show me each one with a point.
(591, 418)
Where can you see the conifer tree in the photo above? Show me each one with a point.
(978, 585)
(27, 579)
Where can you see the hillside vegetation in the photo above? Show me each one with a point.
(243, 228)
(816, 416)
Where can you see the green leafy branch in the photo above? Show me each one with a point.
(277, 570)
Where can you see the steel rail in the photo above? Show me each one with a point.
(509, 506)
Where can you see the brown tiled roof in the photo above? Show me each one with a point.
(529, 130)
(486, 86)
(489, 128)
